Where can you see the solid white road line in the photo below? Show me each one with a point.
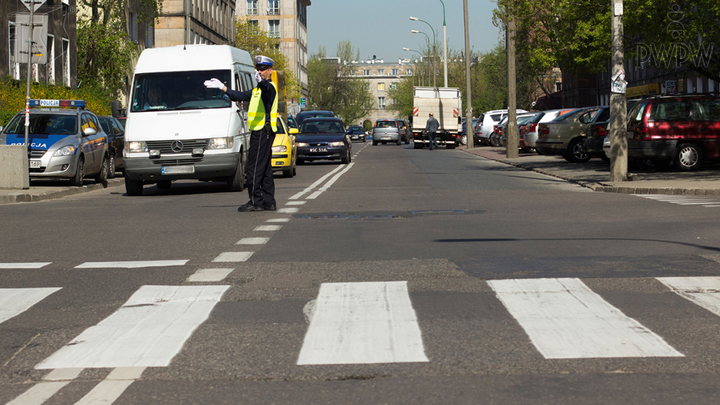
(278, 220)
(265, 228)
(566, 320)
(39, 393)
(110, 389)
(363, 323)
(131, 264)
(14, 301)
(9, 266)
(253, 241)
(703, 291)
(232, 257)
(329, 183)
(147, 331)
(312, 186)
(296, 203)
(209, 275)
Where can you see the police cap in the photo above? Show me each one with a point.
(261, 60)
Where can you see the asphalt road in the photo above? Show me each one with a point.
(408, 276)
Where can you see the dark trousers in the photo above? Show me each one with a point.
(258, 171)
(433, 142)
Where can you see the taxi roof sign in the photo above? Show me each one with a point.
(57, 103)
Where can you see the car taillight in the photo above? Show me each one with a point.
(544, 130)
(531, 128)
(600, 131)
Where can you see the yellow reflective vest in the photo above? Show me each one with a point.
(256, 111)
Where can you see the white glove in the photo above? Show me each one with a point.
(214, 84)
(258, 78)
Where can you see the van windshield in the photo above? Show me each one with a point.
(172, 91)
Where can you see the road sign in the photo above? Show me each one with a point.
(302, 102)
(33, 5)
(39, 37)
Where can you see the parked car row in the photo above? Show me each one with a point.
(680, 131)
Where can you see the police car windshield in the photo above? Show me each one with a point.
(172, 91)
(44, 124)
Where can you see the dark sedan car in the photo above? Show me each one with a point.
(323, 139)
(116, 141)
(356, 132)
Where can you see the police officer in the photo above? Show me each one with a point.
(262, 120)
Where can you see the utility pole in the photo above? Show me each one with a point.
(29, 72)
(444, 47)
(511, 128)
(618, 103)
(468, 107)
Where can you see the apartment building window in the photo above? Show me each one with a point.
(366, 72)
(393, 85)
(149, 35)
(274, 7)
(252, 7)
(274, 28)
(381, 86)
(66, 61)
(50, 65)
(408, 72)
(14, 65)
(381, 103)
(381, 71)
(395, 72)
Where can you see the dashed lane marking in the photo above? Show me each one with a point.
(253, 241)
(14, 301)
(131, 264)
(702, 291)
(209, 275)
(266, 228)
(278, 220)
(231, 257)
(10, 266)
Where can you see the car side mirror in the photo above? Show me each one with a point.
(294, 131)
(89, 131)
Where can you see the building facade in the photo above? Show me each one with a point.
(195, 22)
(285, 20)
(60, 44)
(381, 77)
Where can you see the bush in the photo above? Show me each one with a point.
(12, 97)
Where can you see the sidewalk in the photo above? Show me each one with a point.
(48, 190)
(595, 174)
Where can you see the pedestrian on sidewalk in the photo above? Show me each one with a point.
(430, 129)
(262, 120)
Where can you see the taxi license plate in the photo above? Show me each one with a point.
(316, 150)
(35, 164)
(187, 169)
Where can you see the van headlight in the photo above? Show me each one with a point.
(279, 149)
(221, 143)
(136, 146)
(65, 151)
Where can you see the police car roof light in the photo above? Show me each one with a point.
(57, 103)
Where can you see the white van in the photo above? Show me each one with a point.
(178, 129)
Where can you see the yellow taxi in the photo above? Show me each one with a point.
(284, 149)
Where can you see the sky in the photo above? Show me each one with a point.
(382, 27)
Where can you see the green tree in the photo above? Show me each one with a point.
(249, 37)
(105, 51)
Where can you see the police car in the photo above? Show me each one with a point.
(66, 141)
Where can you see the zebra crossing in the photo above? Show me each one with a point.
(687, 200)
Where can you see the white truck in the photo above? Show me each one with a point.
(446, 105)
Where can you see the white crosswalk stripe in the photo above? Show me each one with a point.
(703, 291)
(705, 201)
(14, 301)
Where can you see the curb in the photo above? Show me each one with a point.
(20, 196)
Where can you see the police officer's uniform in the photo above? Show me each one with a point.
(262, 121)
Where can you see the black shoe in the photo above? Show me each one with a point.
(249, 208)
(269, 207)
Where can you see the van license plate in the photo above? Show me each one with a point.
(188, 169)
(317, 150)
(34, 164)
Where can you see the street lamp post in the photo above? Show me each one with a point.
(434, 42)
(444, 47)
(432, 66)
(421, 55)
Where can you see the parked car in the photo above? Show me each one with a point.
(595, 134)
(530, 136)
(565, 135)
(386, 130)
(302, 115)
(356, 132)
(485, 125)
(323, 139)
(284, 150)
(116, 141)
(65, 143)
(405, 132)
(521, 120)
(463, 139)
(681, 130)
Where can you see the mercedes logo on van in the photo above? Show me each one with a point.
(176, 146)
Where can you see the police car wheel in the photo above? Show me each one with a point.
(77, 180)
(101, 177)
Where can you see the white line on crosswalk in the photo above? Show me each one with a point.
(278, 220)
(266, 228)
(131, 264)
(147, 331)
(253, 241)
(110, 389)
(296, 203)
(14, 301)
(329, 183)
(312, 186)
(363, 323)
(209, 275)
(703, 291)
(565, 320)
(290, 210)
(11, 266)
(39, 393)
(232, 257)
